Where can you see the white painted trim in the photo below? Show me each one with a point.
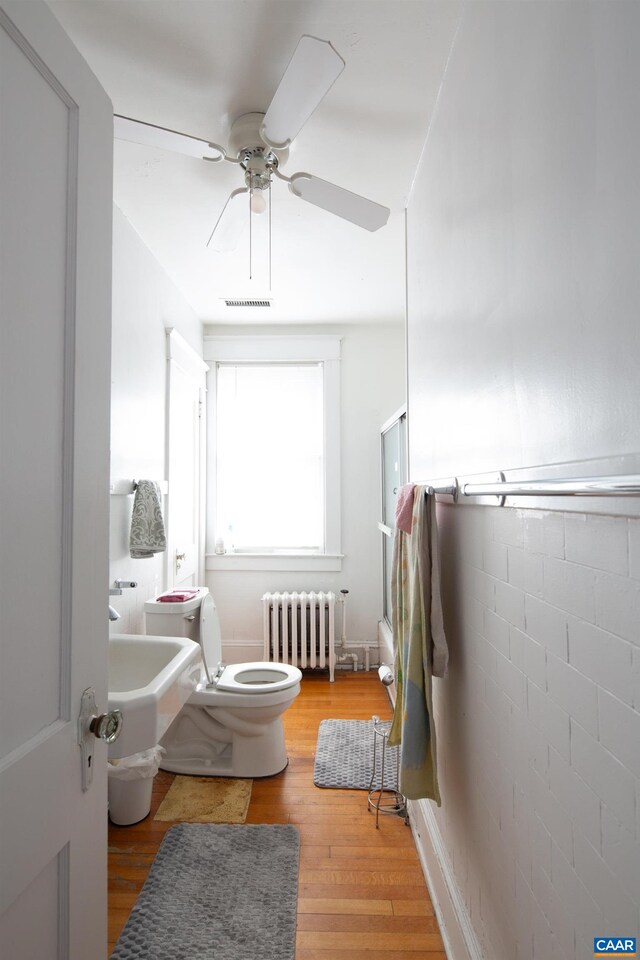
(398, 415)
(458, 935)
(211, 457)
(385, 642)
(386, 654)
(183, 359)
(202, 530)
(324, 349)
(332, 474)
(185, 356)
(241, 651)
(271, 561)
(280, 347)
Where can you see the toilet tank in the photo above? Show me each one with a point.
(174, 619)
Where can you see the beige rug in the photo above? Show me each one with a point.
(206, 800)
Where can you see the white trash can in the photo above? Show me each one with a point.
(130, 786)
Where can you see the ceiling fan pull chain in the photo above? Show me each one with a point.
(250, 225)
(269, 234)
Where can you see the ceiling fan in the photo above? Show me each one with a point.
(259, 144)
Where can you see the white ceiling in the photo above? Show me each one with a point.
(196, 65)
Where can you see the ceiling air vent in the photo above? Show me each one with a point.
(248, 303)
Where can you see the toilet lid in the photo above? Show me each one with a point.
(210, 636)
(258, 677)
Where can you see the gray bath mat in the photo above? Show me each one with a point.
(344, 756)
(217, 892)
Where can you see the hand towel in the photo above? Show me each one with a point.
(177, 596)
(420, 647)
(147, 526)
(404, 507)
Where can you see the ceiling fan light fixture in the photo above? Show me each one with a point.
(257, 203)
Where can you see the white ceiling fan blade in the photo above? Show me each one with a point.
(311, 72)
(231, 223)
(136, 131)
(350, 206)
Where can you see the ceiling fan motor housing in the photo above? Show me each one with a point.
(258, 159)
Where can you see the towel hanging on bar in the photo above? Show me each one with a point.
(420, 645)
(147, 535)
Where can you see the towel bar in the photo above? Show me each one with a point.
(125, 487)
(612, 486)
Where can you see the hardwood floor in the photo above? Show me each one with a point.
(362, 894)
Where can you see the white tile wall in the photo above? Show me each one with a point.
(147, 573)
(634, 552)
(539, 727)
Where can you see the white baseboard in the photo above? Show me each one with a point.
(385, 642)
(385, 646)
(458, 935)
(241, 652)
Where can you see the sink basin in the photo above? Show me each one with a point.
(150, 678)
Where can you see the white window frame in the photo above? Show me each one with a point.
(265, 349)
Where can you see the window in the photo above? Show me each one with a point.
(270, 445)
(273, 491)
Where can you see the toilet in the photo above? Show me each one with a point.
(231, 725)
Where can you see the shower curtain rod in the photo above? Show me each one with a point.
(617, 486)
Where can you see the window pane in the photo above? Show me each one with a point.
(270, 441)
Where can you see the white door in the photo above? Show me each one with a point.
(55, 291)
(186, 385)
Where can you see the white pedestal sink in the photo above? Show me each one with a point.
(150, 678)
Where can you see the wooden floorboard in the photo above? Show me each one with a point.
(362, 894)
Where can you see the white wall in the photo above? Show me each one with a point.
(526, 207)
(523, 347)
(145, 303)
(372, 388)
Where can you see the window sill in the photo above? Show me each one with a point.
(274, 561)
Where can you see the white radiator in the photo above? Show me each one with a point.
(299, 628)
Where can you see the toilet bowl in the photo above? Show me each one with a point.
(231, 725)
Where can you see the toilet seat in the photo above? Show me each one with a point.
(258, 677)
(255, 677)
(248, 701)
